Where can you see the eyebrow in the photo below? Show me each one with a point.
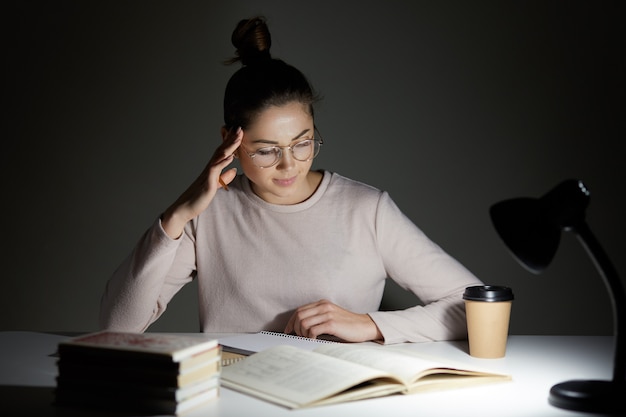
(273, 142)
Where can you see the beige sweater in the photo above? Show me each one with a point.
(256, 262)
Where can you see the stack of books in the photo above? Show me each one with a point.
(138, 372)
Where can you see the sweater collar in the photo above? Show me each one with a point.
(290, 208)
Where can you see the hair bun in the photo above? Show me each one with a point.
(252, 40)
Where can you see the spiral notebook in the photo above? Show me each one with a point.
(237, 347)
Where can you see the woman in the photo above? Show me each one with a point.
(283, 247)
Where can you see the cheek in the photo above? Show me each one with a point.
(254, 173)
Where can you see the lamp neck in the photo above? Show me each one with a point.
(616, 292)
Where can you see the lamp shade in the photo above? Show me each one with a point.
(531, 227)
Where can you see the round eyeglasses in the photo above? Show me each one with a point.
(304, 150)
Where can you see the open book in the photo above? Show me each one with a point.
(334, 373)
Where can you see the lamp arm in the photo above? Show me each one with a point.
(616, 293)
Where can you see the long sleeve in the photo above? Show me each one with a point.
(419, 265)
(140, 288)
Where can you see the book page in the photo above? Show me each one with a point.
(296, 378)
(404, 367)
(411, 368)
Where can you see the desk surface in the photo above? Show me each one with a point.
(27, 373)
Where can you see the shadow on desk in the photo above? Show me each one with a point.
(462, 345)
(18, 401)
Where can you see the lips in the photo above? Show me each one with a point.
(284, 182)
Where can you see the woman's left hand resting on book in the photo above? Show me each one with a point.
(324, 317)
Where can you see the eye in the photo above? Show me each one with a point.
(265, 151)
(303, 144)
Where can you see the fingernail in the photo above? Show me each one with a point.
(223, 184)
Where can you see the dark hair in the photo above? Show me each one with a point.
(262, 81)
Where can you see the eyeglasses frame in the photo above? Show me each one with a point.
(319, 140)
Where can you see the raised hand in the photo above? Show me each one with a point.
(200, 193)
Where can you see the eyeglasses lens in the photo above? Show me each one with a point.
(301, 151)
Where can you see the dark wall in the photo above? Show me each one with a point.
(115, 107)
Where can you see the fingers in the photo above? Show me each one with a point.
(228, 176)
(224, 156)
(232, 141)
(312, 320)
(226, 151)
(324, 317)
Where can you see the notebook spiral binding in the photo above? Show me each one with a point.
(293, 336)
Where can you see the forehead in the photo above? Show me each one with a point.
(280, 123)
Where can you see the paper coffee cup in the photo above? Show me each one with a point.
(488, 312)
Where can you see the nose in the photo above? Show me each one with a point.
(286, 161)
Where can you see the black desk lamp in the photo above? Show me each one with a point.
(531, 229)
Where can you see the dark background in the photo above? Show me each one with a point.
(114, 107)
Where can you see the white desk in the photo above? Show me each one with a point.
(27, 373)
